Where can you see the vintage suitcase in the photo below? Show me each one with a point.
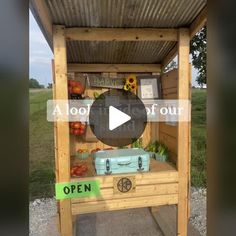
(121, 161)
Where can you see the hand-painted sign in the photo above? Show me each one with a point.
(77, 189)
(105, 82)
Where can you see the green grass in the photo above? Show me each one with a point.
(42, 144)
(198, 151)
(41, 147)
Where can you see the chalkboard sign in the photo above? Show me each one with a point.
(105, 82)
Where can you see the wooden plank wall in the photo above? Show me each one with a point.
(168, 133)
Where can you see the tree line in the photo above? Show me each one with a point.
(33, 83)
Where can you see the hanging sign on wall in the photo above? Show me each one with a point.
(105, 82)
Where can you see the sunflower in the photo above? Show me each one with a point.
(130, 83)
(131, 79)
(126, 87)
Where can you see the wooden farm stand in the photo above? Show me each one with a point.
(165, 184)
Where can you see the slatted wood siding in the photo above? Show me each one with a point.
(168, 133)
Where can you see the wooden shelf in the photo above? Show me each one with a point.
(157, 187)
(155, 166)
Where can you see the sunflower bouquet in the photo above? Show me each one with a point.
(130, 83)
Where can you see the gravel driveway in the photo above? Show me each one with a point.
(42, 211)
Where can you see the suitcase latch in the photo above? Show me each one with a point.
(140, 164)
(108, 168)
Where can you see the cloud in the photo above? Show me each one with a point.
(40, 54)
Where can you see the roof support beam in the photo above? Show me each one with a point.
(118, 68)
(121, 34)
(170, 56)
(43, 17)
(199, 22)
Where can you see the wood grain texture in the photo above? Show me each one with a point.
(62, 128)
(199, 22)
(121, 34)
(170, 56)
(140, 191)
(43, 17)
(183, 132)
(160, 172)
(126, 203)
(118, 68)
(168, 133)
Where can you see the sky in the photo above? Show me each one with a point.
(41, 56)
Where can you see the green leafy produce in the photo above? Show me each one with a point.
(162, 150)
(152, 147)
(137, 144)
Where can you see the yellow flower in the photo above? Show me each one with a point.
(131, 79)
(126, 87)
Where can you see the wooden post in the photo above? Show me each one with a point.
(183, 132)
(62, 128)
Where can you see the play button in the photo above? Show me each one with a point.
(117, 118)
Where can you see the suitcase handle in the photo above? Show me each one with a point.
(123, 163)
(140, 164)
(108, 168)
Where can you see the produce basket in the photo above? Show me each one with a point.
(161, 158)
(82, 155)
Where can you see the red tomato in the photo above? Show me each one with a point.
(77, 125)
(77, 90)
(71, 131)
(78, 84)
(70, 90)
(78, 172)
(72, 83)
(81, 131)
(84, 168)
(82, 126)
(72, 171)
(76, 131)
(71, 124)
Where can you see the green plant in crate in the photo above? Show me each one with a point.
(152, 147)
(137, 144)
(162, 153)
(157, 150)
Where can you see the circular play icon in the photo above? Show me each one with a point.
(117, 118)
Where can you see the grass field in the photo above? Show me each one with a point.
(42, 153)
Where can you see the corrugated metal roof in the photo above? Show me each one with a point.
(117, 52)
(125, 14)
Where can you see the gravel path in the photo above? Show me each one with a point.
(198, 209)
(41, 211)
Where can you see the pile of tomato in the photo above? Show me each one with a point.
(77, 128)
(78, 170)
(75, 87)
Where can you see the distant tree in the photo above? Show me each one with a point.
(33, 83)
(49, 85)
(198, 49)
(172, 65)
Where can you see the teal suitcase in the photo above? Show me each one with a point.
(121, 161)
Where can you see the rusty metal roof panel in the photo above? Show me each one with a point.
(125, 13)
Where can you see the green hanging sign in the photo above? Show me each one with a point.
(77, 189)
